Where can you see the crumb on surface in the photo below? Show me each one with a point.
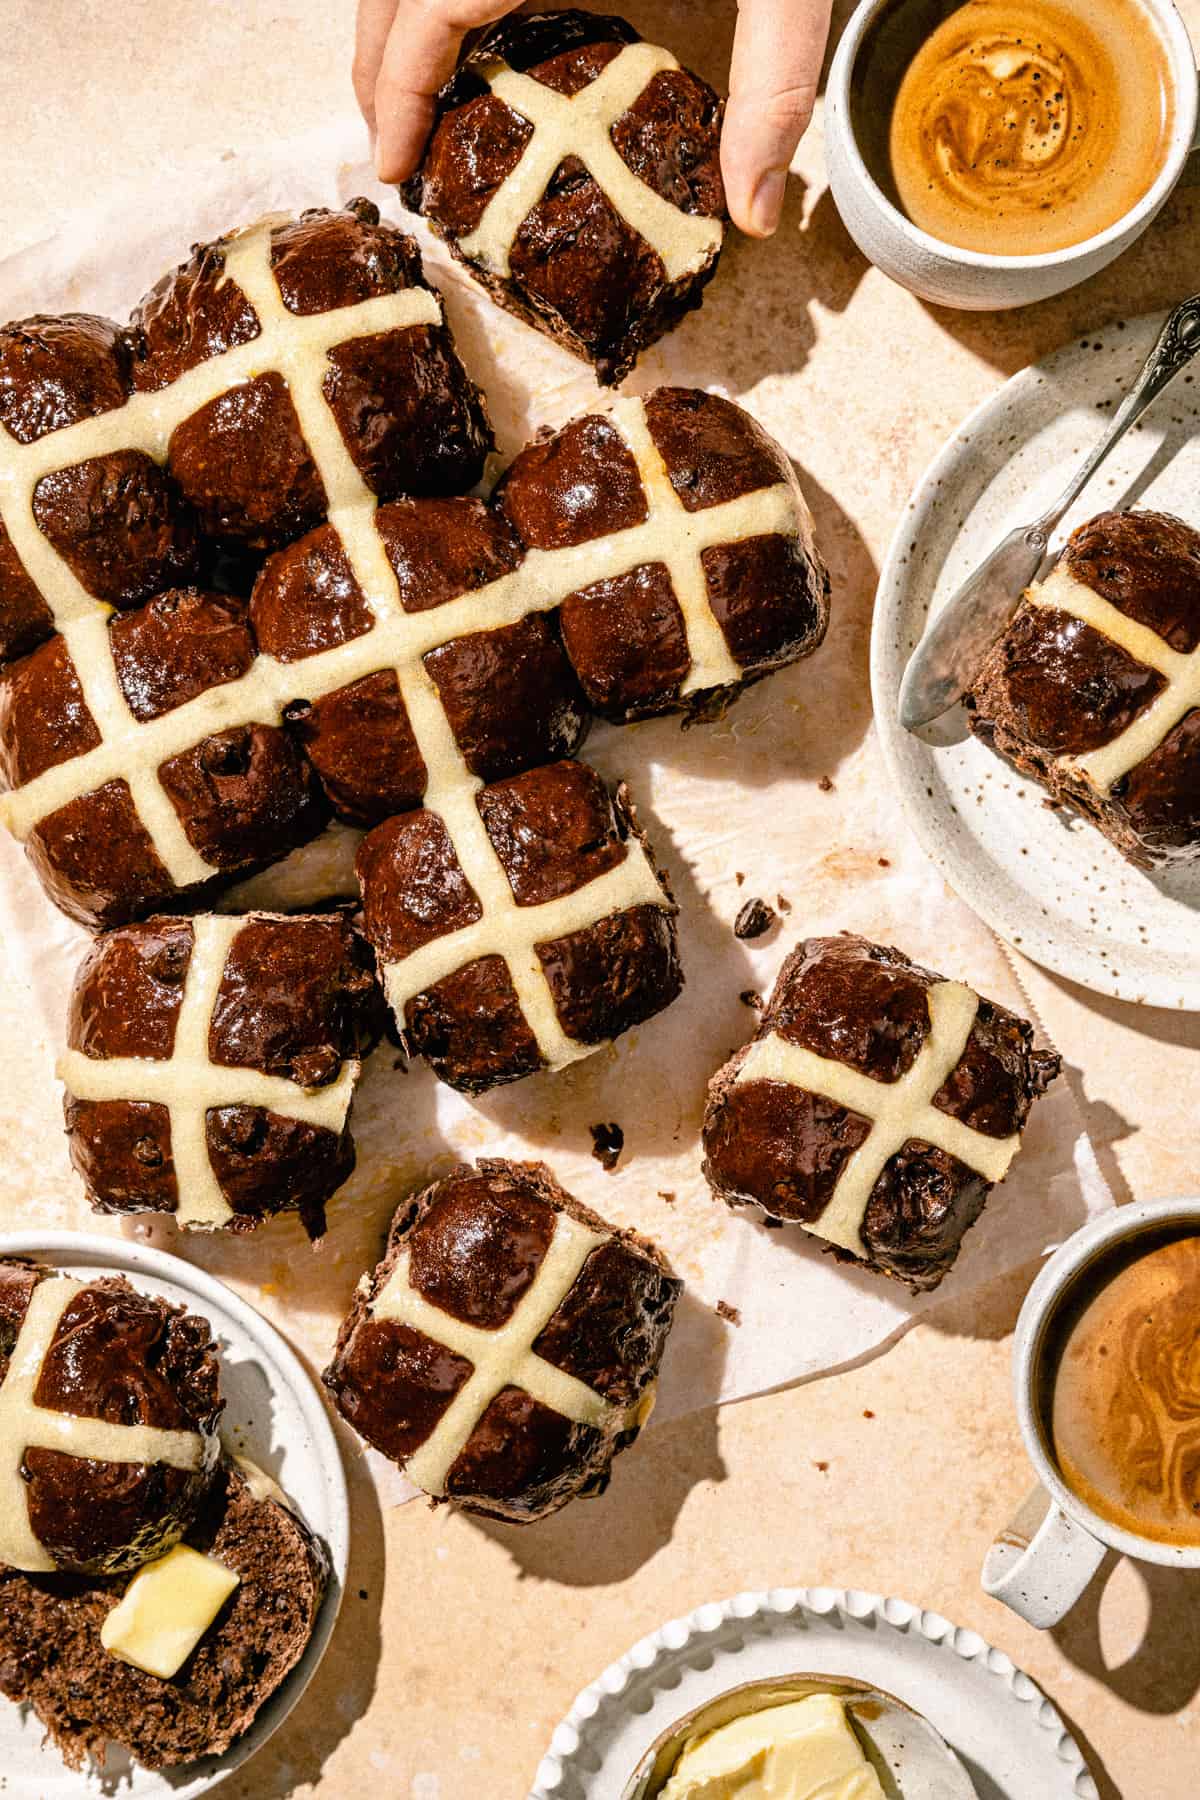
(823, 1466)
(885, 862)
(755, 918)
(783, 903)
(729, 1313)
(667, 1195)
(751, 997)
(867, 1413)
(608, 1141)
(739, 876)
(826, 784)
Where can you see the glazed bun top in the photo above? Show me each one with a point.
(109, 1402)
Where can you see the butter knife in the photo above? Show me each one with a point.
(956, 642)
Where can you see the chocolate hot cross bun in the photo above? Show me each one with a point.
(212, 1064)
(876, 1106)
(575, 170)
(109, 1402)
(1094, 687)
(507, 1345)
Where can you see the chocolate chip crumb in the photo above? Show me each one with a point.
(751, 997)
(825, 784)
(823, 1466)
(755, 918)
(885, 862)
(728, 1312)
(608, 1141)
(738, 876)
(783, 903)
(867, 1413)
(668, 1195)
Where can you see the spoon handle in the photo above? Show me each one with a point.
(1178, 342)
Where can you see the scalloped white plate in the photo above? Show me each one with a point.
(274, 1415)
(1011, 1740)
(1046, 881)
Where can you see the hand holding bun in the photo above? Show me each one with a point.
(407, 49)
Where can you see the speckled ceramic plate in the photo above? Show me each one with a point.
(1044, 880)
(274, 1415)
(1009, 1737)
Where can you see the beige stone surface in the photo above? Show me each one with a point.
(461, 1645)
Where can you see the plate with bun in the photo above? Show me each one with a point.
(1061, 798)
(174, 1526)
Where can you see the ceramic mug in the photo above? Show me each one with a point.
(971, 279)
(1042, 1562)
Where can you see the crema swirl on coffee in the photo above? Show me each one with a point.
(1024, 126)
(1125, 1415)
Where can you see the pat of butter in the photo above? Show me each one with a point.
(166, 1610)
(802, 1750)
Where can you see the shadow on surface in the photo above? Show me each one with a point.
(595, 1543)
(1162, 1675)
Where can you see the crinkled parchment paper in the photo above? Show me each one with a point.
(786, 799)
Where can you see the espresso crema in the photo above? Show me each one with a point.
(1024, 126)
(1125, 1414)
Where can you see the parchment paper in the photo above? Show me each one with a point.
(786, 799)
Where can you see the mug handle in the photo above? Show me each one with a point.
(1041, 1562)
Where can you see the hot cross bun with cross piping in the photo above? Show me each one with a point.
(876, 1106)
(521, 928)
(508, 693)
(116, 517)
(109, 1402)
(212, 1063)
(575, 170)
(696, 570)
(225, 798)
(507, 1345)
(1094, 688)
(346, 294)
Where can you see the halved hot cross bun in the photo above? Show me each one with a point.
(507, 1345)
(876, 1106)
(1094, 688)
(109, 1402)
(575, 170)
(53, 1657)
(212, 1064)
(520, 927)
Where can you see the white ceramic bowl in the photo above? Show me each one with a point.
(970, 279)
(1007, 1734)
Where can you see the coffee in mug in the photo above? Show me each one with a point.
(1015, 127)
(1122, 1396)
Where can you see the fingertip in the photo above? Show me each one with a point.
(765, 209)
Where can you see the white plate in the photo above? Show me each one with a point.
(1011, 1740)
(1045, 881)
(274, 1415)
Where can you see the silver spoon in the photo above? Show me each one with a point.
(911, 1759)
(949, 655)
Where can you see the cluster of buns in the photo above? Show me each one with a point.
(246, 589)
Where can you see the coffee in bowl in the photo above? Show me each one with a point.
(1121, 1389)
(1014, 127)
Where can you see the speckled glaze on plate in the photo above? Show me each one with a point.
(274, 1415)
(1046, 881)
(1008, 1735)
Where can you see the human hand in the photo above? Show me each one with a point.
(405, 49)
